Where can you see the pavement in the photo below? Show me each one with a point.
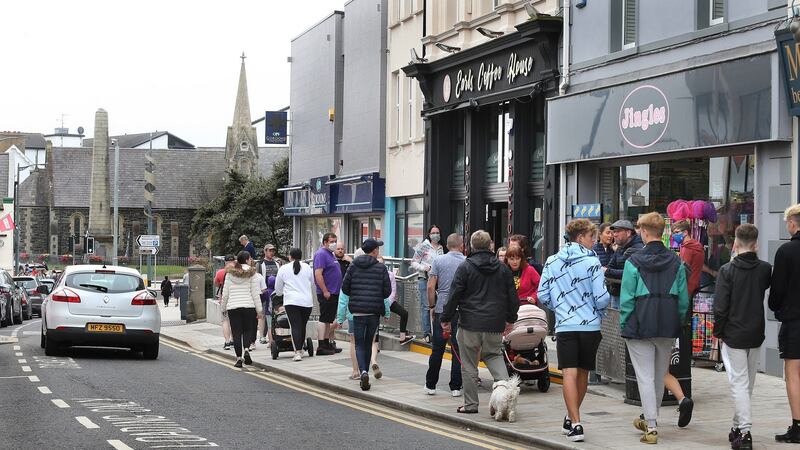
(606, 418)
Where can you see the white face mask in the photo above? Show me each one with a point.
(332, 246)
(435, 237)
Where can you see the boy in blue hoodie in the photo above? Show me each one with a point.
(573, 286)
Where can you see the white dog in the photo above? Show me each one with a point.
(503, 402)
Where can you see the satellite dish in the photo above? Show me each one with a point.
(80, 130)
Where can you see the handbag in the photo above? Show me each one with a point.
(715, 355)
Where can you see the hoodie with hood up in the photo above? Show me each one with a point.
(694, 257)
(739, 301)
(573, 286)
(367, 284)
(654, 299)
(483, 293)
(241, 289)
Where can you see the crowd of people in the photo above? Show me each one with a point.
(469, 302)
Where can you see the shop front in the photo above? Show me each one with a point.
(716, 137)
(310, 205)
(360, 201)
(485, 138)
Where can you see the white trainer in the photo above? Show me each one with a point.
(456, 392)
(430, 391)
(297, 357)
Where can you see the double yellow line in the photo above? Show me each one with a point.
(408, 419)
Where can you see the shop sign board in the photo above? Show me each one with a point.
(364, 194)
(722, 104)
(587, 211)
(789, 55)
(312, 199)
(275, 129)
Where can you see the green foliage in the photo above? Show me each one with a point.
(251, 206)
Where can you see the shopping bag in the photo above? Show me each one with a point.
(675, 355)
(715, 355)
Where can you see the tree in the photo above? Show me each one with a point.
(251, 206)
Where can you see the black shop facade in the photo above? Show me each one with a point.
(484, 114)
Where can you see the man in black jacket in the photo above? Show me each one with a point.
(739, 324)
(485, 297)
(783, 300)
(367, 284)
(626, 243)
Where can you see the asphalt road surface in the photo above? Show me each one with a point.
(92, 398)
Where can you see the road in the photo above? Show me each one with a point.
(91, 398)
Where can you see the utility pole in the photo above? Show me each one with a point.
(149, 196)
(115, 257)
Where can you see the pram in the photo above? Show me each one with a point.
(281, 331)
(525, 349)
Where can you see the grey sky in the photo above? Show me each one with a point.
(153, 65)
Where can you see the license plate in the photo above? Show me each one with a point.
(105, 328)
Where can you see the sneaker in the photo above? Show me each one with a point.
(377, 371)
(364, 381)
(640, 424)
(456, 393)
(649, 437)
(407, 339)
(238, 364)
(263, 340)
(685, 412)
(734, 433)
(430, 391)
(566, 427)
(744, 441)
(792, 435)
(427, 338)
(576, 434)
(227, 346)
(325, 351)
(252, 347)
(336, 350)
(247, 359)
(297, 357)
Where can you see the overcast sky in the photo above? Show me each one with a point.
(153, 65)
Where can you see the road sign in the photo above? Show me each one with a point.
(148, 240)
(148, 250)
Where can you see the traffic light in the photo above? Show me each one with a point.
(90, 245)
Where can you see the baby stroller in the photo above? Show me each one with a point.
(281, 331)
(525, 349)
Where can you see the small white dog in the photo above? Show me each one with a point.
(503, 402)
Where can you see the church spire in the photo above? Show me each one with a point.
(241, 112)
(241, 147)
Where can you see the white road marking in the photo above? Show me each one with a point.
(86, 422)
(45, 390)
(22, 361)
(15, 333)
(16, 376)
(18, 354)
(60, 403)
(119, 445)
(26, 368)
(31, 333)
(33, 379)
(16, 347)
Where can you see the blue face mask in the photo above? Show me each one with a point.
(678, 238)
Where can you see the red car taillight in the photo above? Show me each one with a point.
(143, 299)
(66, 295)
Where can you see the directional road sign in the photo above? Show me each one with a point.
(148, 250)
(148, 240)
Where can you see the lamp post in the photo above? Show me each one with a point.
(16, 193)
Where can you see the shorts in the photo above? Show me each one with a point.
(789, 340)
(328, 308)
(577, 349)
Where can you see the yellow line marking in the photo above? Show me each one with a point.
(474, 439)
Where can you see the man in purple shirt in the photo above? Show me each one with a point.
(328, 275)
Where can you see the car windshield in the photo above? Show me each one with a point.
(27, 284)
(48, 282)
(105, 282)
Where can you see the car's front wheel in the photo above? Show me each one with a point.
(150, 351)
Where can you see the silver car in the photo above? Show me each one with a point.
(105, 306)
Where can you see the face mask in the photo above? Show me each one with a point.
(678, 238)
(332, 247)
(435, 237)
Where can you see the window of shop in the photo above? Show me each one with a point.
(409, 225)
(459, 161)
(410, 107)
(537, 157)
(361, 229)
(313, 228)
(498, 145)
(727, 182)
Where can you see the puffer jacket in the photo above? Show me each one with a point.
(367, 284)
(241, 289)
(573, 286)
(483, 294)
(654, 296)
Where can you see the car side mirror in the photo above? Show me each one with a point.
(43, 289)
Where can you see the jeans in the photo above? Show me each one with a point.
(475, 346)
(424, 310)
(650, 359)
(435, 360)
(298, 318)
(241, 320)
(364, 329)
(741, 365)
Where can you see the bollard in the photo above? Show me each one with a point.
(190, 315)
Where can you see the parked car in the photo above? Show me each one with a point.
(36, 292)
(4, 312)
(105, 306)
(14, 298)
(49, 282)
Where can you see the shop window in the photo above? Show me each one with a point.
(396, 113)
(634, 191)
(410, 107)
(362, 228)
(312, 230)
(710, 13)
(623, 24)
(498, 145)
(459, 161)
(409, 225)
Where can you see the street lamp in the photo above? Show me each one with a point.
(16, 194)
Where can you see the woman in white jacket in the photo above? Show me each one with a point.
(295, 282)
(241, 301)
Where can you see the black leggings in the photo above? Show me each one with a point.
(298, 318)
(241, 320)
(398, 309)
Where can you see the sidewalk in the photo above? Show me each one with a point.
(607, 420)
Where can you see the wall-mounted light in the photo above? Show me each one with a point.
(489, 33)
(415, 59)
(447, 48)
(794, 23)
(580, 4)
